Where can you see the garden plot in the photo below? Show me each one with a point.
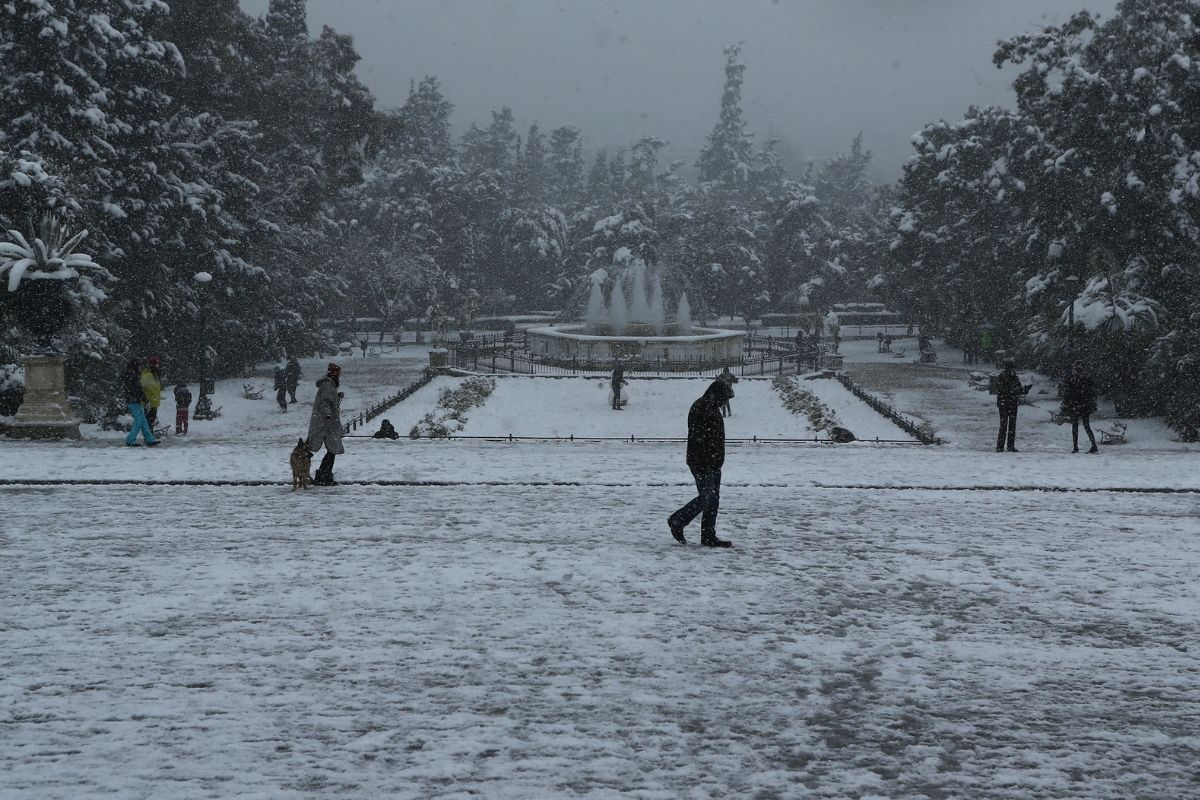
(581, 407)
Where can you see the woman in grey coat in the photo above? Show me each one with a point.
(325, 427)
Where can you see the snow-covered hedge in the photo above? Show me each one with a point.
(802, 401)
(452, 407)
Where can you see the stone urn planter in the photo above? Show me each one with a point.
(36, 271)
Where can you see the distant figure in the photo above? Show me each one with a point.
(292, 374)
(1009, 392)
(705, 457)
(925, 348)
(151, 379)
(800, 350)
(1078, 403)
(879, 341)
(135, 397)
(325, 426)
(183, 399)
(618, 380)
(362, 343)
(280, 386)
(386, 431)
(887, 344)
(985, 345)
(729, 379)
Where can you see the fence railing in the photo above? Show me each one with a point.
(468, 357)
(888, 411)
(363, 417)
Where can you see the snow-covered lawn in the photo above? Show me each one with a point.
(513, 620)
(516, 641)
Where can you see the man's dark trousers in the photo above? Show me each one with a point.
(1008, 428)
(707, 501)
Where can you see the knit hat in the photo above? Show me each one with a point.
(333, 369)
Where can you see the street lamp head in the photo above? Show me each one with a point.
(202, 277)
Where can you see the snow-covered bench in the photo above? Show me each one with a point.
(253, 392)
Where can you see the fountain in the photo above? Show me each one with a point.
(632, 324)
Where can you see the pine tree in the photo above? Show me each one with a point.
(288, 19)
(726, 156)
(564, 163)
(532, 177)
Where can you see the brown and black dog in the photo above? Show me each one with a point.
(301, 461)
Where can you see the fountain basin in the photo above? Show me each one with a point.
(637, 342)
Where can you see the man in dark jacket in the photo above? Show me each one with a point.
(292, 376)
(280, 386)
(705, 457)
(618, 380)
(1009, 391)
(1079, 401)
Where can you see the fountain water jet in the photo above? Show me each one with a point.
(633, 325)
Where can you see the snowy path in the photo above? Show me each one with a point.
(518, 642)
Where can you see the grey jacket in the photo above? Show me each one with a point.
(325, 427)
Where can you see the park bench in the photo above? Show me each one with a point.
(897, 353)
(252, 392)
(1115, 434)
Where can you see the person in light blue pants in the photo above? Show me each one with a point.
(135, 398)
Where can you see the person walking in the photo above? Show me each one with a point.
(729, 379)
(325, 426)
(151, 380)
(135, 399)
(362, 343)
(292, 375)
(705, 457)
(618, 380)
(1079, 401)
(280, 386)
(183, 399)
(1009, 392)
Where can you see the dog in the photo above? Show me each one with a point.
(301, 461)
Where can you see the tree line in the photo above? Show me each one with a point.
(188, 136)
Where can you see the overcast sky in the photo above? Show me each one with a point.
(817, 71)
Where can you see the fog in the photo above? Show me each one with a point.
(817, 71)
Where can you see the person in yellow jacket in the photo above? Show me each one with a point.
(152, 388)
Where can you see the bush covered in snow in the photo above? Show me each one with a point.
(452, 406)
(801, 401)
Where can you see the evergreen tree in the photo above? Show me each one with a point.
(288, 19)
(564, 164)
(727, 154)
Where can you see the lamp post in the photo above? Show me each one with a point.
(203, 404)
(1072, 281)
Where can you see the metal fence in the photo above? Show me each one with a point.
(363, 417)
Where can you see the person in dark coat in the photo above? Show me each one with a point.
(292, 376)
(618, 380)
(183, 399)
(325, 426)
(1079, 401)
(705, 457)
(280, 387)
(386, 431)
(1009, 392)
(135, 399)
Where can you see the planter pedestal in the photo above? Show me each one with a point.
(45, 412)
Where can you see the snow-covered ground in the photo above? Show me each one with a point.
(513, 620)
